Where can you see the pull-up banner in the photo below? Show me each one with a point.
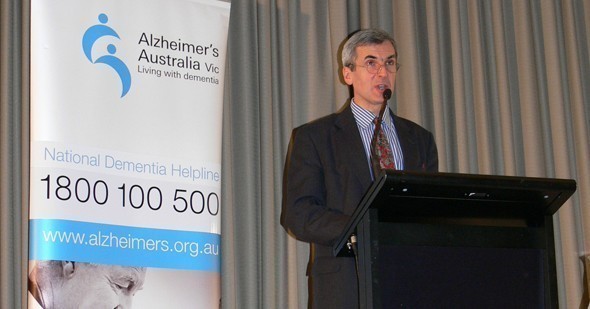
(126, 109)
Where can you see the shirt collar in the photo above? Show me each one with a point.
(364, 118)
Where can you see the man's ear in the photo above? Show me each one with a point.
(347, 75)
(68, 268)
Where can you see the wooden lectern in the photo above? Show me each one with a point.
(443, 240)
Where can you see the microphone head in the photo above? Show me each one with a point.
(387, 94)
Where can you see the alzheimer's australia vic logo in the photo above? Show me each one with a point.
(96, 33)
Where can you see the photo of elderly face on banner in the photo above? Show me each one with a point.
(67, 284)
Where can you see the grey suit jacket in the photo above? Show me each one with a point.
(326, 175)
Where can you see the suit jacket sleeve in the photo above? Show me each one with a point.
(418, 146)
(305, 209)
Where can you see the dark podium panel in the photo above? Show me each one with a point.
(457, 241)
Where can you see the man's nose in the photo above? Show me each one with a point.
(382, 70)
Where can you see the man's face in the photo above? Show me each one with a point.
(368, 87)
(101, 286)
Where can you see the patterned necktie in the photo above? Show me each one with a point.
(381, 154)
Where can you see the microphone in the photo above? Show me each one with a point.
(387, 94)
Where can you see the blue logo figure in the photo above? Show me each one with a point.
(92, 35)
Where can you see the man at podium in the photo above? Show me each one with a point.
(332, 161)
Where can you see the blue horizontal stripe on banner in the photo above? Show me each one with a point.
(123, 245)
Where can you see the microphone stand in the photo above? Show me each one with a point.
(376, 166)
(352, 241)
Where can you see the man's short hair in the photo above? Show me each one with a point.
(362, 38)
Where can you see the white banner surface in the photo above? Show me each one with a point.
(126, 109)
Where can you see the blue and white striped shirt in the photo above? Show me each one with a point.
(364, 121)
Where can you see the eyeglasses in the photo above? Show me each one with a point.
(373, 66)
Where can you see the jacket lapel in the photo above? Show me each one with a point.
(348, 143)
(407, 140)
